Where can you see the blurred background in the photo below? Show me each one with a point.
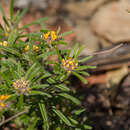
(99, 25)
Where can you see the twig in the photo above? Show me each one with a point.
(13, 117)
(106, 51)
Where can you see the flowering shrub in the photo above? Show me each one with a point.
(34, 88)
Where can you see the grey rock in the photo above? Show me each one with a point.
(85, 36)
(41, 4)
(112, 22)
(82, 9)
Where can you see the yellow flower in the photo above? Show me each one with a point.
(50, 36)
(70, 64)
(22, 86)
(4, 43)
(3, 98)
(26, 48)
(35, 48)
(6, 34)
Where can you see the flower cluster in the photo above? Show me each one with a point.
(22, 86)
(70, 64)
(4, 105)
(35, 48)
(50, 37)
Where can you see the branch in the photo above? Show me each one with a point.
(13, 117)
(106, 51)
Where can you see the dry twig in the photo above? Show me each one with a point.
(13, 117)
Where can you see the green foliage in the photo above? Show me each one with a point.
(35, 82)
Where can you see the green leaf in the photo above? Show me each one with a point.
(33, 74)
(79, 51)
(33, 92)
(84, 73)
(87, 127)
(75, 49)
(10, 50)
(19, 70)
(11, 9)
(30, 70)
(44, 76)
(12, 37)
(45, 55)
(65, 33)
(80, 77)
(51, 81)
(43, 86)
(44, 116)
(62, 117)
(21, 99)
(73, 121)
(35, 22)
(58, 128)
(20, 16)
(78, 112)
(3, 15)
(58, 53)
(85, 59)
(67, 96)
(32, 125)
(62, 87)
(84, 67)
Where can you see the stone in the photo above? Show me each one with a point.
(112, 22)
(85, 36)
(40, 4)
(82, 9)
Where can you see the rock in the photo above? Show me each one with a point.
(83, 9)
(40, 4)
(112, 22)
(85, 36)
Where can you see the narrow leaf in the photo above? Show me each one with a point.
(62, 87)
(80, 77)
(84, 73)
(33, 92)
(11, 9)
(62, 117)
(21, 101)
(19, 70)
(65, 33)
(35, 22)
(30, 70)
(85, 59)
(3, 15)
(10, 50)
(73, 99)
(78, 112)
(20, 16)
(79, 51)
(73, 121)
(75, 49)
(44, 116)
(85, 67)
